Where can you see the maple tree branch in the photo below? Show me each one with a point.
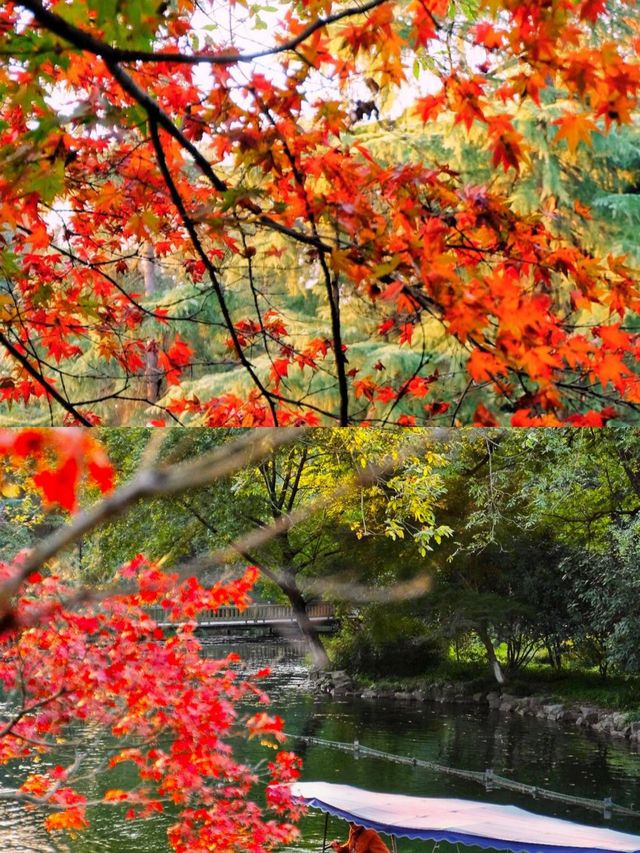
(152, 482)
(86, 41)
(45, 799)
(254, 294)
(454, 414)
(404, 390)
(96, 267)
(24, 711)
(157, 114)
(583, 389)
(332, 285)
(299, 236)
(332, 282)
(120, 395)
(41, 380)
(42, 362)
(204, 257)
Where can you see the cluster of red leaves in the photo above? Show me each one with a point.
(175, 359)
(253, 410)
(175, 712)
(72, 668)
(412, 241)
(59, 460)
(48, 789)
(65, 283)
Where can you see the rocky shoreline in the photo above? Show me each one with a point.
(601, 720)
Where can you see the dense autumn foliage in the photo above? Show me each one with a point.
(141, 134)
(74, 664)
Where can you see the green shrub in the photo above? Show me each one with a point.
(383, 641)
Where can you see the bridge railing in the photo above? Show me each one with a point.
(253, 614)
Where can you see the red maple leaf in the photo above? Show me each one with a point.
(59, 485)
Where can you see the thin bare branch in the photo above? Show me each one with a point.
(86, 41)
(149, 483)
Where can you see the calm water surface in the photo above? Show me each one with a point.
(528, 750)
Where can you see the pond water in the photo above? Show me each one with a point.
(529, 750)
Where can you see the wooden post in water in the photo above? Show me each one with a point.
(488, 779)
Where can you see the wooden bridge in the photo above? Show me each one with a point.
(271, 616)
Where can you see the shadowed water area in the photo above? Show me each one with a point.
(529, 750)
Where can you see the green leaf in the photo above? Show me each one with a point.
(47, 179)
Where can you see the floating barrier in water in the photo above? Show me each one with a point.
(488, 777)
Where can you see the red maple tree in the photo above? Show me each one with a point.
(137, 134)
(73, 662)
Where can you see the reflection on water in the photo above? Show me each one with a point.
(284, 658)
(19, 833)
(529, 750)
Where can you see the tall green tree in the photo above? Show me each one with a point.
(342, 489)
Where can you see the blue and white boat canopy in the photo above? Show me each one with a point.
(462, 821)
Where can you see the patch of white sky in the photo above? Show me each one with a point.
(258, 27)
(236, 26)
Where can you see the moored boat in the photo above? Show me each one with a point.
(460, 822)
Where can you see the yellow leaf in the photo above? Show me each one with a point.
(7, 307)
(115, 795)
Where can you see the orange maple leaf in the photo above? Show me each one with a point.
(575, 128)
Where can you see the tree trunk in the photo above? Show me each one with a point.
(555, 655)
(148, 264)
(308, 629)
(152, 372)
(494, 663)
(287, 581)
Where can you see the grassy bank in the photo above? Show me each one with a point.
(575, 687)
